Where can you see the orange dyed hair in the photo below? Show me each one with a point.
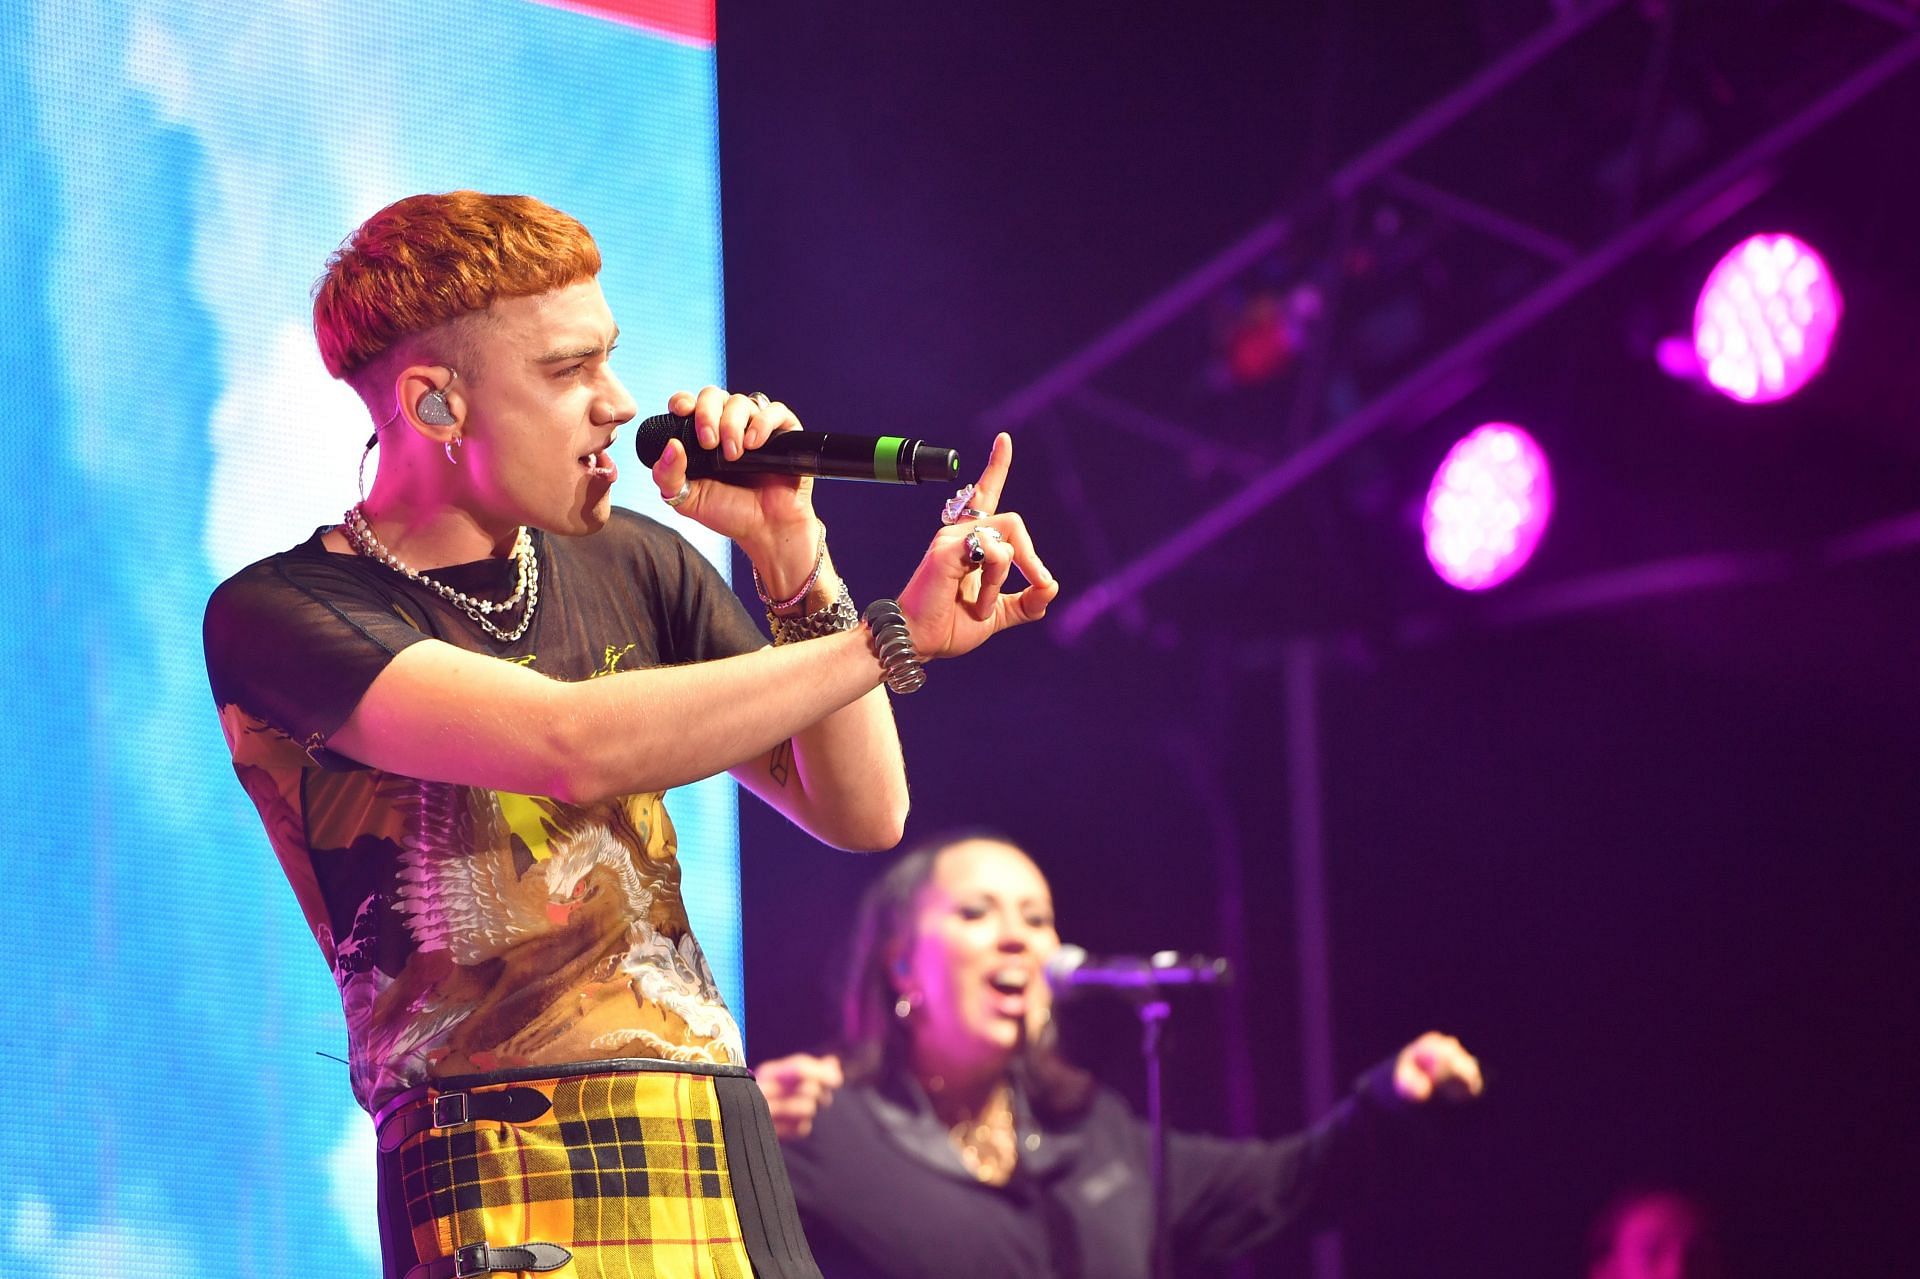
(429, 259)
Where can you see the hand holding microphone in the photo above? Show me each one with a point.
(742, 466)
(884, 459)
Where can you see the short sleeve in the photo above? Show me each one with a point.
(297, 645)
(706, 619)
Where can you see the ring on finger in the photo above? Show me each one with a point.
(976, 549)
(686, 491)
(760, 398)
(958, 507)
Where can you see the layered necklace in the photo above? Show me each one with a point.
(987, 1141)
(360, 535)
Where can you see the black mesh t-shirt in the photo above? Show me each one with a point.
(471, 929)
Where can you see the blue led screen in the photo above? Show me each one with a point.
(172, 178)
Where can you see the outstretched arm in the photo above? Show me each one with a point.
(1230, 1196)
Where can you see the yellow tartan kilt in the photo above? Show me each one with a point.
(634, 1168)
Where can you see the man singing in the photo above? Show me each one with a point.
(457, 712)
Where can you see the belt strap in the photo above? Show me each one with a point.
(452, 1109)
(479, 1259)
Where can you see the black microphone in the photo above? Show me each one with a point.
(1072, 968)
(886, 459)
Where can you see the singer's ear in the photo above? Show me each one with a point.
(426, 395)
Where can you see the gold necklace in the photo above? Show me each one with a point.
(361, 537)
(986, 1142)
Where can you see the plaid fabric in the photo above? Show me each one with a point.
(628, 1171)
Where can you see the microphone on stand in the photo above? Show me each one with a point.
(885, 459)
(1073, 969)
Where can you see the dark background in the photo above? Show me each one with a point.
(1653, 863)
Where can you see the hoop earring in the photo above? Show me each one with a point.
(451, 441)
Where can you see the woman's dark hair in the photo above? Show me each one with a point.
(875, 1042)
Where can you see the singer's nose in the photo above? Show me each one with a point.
(1015, 934)
(616, 406)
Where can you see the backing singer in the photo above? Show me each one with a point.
(952, 1141)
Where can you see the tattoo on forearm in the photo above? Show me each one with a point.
(780, 766)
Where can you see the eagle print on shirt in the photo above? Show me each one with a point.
(471, 929)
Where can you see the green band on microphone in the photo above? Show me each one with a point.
(886, 457)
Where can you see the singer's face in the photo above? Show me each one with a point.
(541, 409)
(983, 933)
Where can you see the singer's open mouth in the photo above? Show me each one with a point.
(1011, 981)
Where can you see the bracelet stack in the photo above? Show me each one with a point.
(840, 615)
(899, 665)
(836, 615)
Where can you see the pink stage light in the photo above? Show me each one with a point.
(1765, 319)
(1487, 507)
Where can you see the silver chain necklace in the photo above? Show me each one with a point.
(360, 535)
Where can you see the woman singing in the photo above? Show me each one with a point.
(958, 1143)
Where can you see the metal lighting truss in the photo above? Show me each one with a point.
(1389, 292)
(1405, 274)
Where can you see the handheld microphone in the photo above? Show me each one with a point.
(885, 459)
(1072, 968)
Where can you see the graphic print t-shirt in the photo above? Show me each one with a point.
(470, 929)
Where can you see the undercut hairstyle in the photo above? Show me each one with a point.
(874, 1042)
(424, 262)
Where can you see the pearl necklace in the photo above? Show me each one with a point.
(361, 536)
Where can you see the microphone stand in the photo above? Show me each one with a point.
(1144, 988)
(1153, 1010)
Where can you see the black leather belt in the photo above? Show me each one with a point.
(480, 1259)
(452, 1109)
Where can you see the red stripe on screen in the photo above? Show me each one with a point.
(689, 20)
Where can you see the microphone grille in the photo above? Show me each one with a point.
(1066, 961)
(651, 436)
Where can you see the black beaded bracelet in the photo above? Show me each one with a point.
(887, 635)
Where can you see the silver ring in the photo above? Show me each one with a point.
(686, 489)
(760, 398)
(957, 507)
(992, 532)
(976, 549)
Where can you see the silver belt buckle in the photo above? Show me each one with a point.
(450, 1111)
(472, 1259)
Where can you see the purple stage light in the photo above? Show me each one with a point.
(1765, 319)
(1487, 507)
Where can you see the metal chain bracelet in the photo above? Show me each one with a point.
(891, 643)
(793, 601)
(840, 615)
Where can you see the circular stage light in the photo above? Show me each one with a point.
(1765, 319)
(1487, 507)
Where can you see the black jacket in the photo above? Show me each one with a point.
(883, 1193)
